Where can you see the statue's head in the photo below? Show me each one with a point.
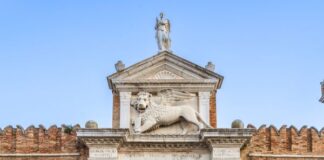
(142, 101)
(161, 15)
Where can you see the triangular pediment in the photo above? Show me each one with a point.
(163, 67)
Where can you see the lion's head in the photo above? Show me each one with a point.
(142, 101)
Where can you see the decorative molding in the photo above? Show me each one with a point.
(150, 85)
(156, 138)
(164, 74)
(227, 141)
(103, 141)
(157, 146)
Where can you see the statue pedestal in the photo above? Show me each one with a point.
(208, 144)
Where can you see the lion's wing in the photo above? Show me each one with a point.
(170, 96)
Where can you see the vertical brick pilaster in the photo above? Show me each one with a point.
(116, 111)
(212, 110)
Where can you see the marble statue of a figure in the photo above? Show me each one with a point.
(162, 28)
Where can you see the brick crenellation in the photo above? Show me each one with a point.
(40, 140)
(287, 140)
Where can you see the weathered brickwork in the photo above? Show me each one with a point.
(41, 141)
(287, 141)
(212, 110)
(116, 111)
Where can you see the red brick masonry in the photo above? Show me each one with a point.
(285, 143)
(212, 110)
(116, 112)
(53, 142)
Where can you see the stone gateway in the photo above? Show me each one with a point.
(164, 108)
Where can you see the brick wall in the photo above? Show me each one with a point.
(39, 140)
(212, 110)
(116, 111)
(285, 141)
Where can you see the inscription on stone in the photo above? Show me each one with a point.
(226, 153)
(103, 152)
(164, 156)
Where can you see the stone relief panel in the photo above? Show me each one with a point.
(164, 74)
(166, 112)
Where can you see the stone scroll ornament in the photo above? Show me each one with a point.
(162, 28)
(151, 115)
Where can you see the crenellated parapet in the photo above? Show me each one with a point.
(40, 141)
(271, 142)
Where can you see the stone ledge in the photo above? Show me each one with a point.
(108, 134)
(225, 132)
(39, 154)
(102, 132)
(284, 155)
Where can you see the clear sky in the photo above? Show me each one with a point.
(55, 56)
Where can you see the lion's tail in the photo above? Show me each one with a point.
(201, 120)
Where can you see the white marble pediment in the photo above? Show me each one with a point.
(163, 71)
(164, 62)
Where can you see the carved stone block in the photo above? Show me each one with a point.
(103, 153)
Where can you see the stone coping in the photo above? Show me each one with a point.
(168, 81)
(146, 137)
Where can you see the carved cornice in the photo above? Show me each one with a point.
(102, 132)
(226, 136)
(158, 85)
(207, 137)
(102, 136)
(222, 140)
(163, 138)
(102, 141)
(227, 132)
(136, 146)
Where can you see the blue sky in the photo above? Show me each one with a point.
(55, 56)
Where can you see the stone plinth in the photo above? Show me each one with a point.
(208, 144)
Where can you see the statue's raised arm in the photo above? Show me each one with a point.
(162, 28)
